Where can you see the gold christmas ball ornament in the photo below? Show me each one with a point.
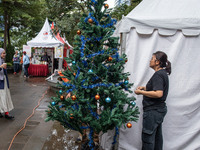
(106, 6)
(97, 97)
(73, 97)
(90, 20)
(129, 125)
(79, 32)
(74, 74)
(61, 97)
(127, 79)
(110, 58)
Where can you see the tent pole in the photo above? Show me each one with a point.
(123, 43)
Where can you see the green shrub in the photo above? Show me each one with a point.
(9, 64)
(9, 53)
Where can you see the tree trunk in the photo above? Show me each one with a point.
(5, 28)
(8, 28)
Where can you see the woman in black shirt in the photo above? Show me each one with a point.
(154, 106)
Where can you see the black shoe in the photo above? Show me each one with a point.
(9, 117)
(1, 116)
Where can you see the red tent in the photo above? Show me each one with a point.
(67, 47)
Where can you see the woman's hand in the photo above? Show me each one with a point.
(68, 95)
(3, 66)
(141, 88)
(138, 91)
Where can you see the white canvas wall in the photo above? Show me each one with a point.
(181, 127)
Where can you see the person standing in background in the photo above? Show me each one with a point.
(6, 104)
(46, 58)
(21, 63)
(16, 61)
(26, 63)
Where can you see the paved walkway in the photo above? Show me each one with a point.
(25, 94)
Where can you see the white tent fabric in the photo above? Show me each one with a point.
(181, 126)
(45, 38)
(167, 16)
(172, 26)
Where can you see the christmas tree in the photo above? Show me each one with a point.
(96, 79)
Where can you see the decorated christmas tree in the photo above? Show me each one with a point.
(97, 84)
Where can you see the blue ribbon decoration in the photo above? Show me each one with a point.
(94, 54)
(90, 138)
(113, 21)
(95, 78)
(61, 106)
(85, 63)
(106, 66)
(116, 133)
(82, 45)
(83, 127)
(68, 85)
(93, 1)
(126, 88)
(100, 84)
(77, 74)
(83, 81)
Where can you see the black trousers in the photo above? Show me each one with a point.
(16, 67)
(152, 138)
(26, 70)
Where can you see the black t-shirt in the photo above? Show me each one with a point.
(159, 81)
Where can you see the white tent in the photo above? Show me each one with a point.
(45, 38)
(172, 26)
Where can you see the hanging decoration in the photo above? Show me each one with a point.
(53, 103)
(129, 125)
(110, 58)
(79, 32)
(60, 91)
(126, 82)
(90, 71)
(62, 97)
(90, 20)
(106, 6)
(108, 100)
(73, 97)
(97, 97)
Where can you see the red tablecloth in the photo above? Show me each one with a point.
(38, 70)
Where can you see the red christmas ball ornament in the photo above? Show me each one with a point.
(129, 125)
(110, 58)
(61, 97)
(90, 20)
(97, 97)
(73, 97)
(126, 60)
(71, 116)
(106, 6)
(78, 32)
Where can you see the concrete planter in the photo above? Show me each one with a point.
(10, 69)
